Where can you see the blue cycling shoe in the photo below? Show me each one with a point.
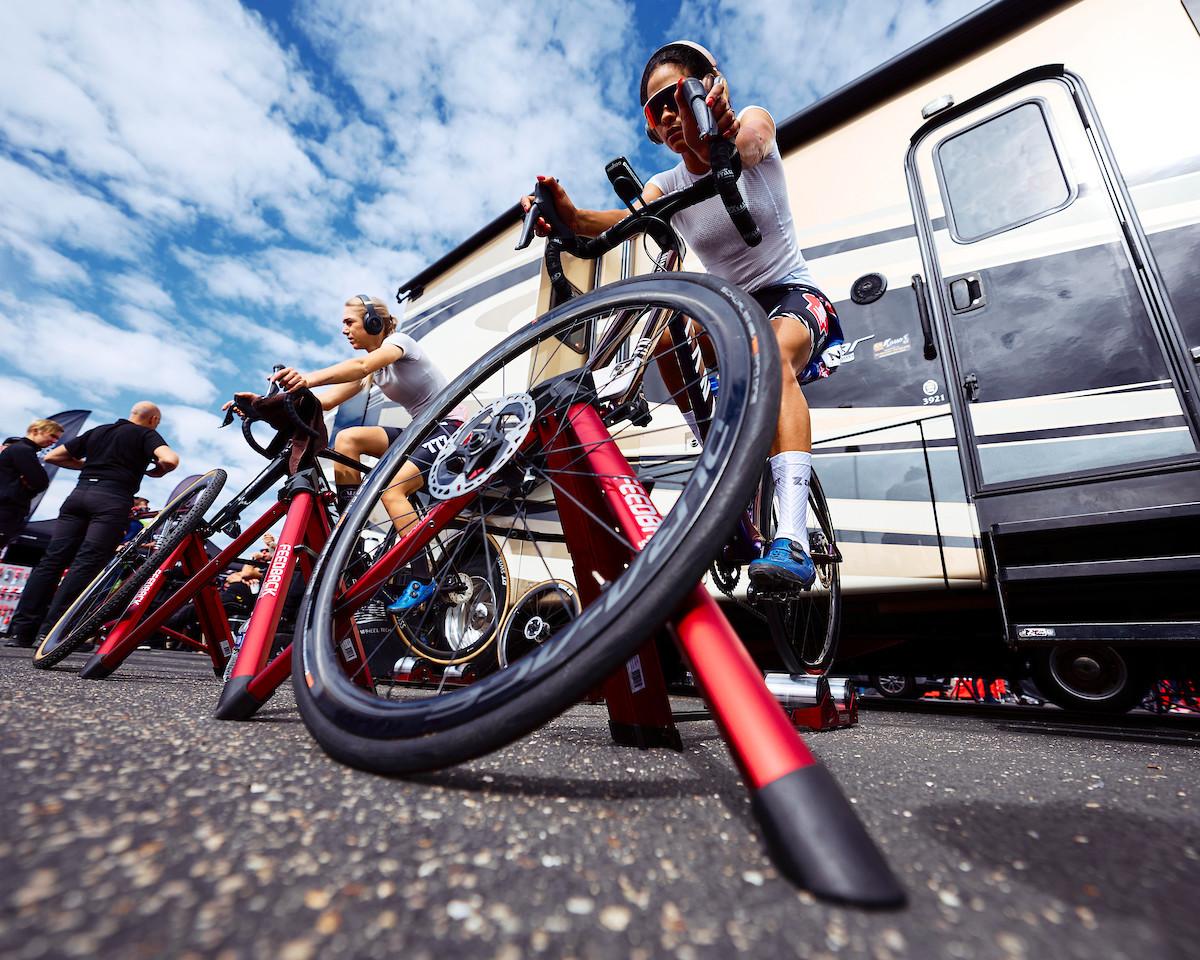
(785, 566)
(415, 594)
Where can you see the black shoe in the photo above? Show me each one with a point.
(23, 642)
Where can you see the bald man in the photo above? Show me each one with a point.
(111, 459)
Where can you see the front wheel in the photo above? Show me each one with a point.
(117, 584)
(551, 445)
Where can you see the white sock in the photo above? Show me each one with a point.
(690, 419)
(791, 471)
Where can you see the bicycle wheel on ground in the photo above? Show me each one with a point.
(116, 585)
(812, 619)
(543, 413)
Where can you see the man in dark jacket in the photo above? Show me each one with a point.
(22, 476)
(112, 460)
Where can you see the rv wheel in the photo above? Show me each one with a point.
(1095, 678)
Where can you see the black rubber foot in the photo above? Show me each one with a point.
(96, 669)
(237, 702)
(644, 737)
(818, 842)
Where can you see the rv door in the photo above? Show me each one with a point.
(1061, 359)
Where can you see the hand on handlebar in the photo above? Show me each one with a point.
(240, 403)
(727, 123)
(567, 211)
(289, 379)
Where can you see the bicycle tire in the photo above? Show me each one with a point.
(399, 737)
(90, 610)
(817, 614)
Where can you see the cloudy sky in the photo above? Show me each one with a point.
(189, 189)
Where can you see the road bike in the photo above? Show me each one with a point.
(542, 462)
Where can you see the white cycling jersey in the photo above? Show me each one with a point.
(412, 381)
(711, 234)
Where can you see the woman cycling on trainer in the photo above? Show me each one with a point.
(399, 366)
(774, 272)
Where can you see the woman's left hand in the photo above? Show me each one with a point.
(290, 379)
(722, 110)
(718, 102)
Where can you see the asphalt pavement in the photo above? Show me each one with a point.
(134, 825)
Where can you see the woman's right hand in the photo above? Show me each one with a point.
(242, 401)
(567, 211)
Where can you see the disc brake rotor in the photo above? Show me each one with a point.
(481, 447)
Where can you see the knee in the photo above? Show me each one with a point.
(347, 443)
(795, 347)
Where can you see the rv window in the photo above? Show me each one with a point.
(1001, 173)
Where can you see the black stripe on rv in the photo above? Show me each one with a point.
(429, 320)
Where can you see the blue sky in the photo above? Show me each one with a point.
(189, 189)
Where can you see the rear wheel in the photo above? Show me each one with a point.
(117, 584)
(812, 619)
(519, 399)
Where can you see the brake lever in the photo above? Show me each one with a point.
(543, 206)
(697, 100)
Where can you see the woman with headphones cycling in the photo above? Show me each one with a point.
(774, 272)
(399, 366)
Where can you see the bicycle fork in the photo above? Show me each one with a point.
(813, 833)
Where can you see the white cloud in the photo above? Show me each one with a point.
(23, 402)
(477, 100)
(177, 107)
(285, 286)
(140, 290)
(784, 54)
(69, 347)
(38, 213)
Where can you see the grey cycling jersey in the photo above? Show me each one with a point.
(412, 381)
(711, 234)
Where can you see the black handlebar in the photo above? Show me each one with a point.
(249, 416)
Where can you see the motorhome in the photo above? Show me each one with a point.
(1008, 219)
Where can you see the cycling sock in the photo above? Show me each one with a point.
(690, 419)
(791, 471)
(344, 495)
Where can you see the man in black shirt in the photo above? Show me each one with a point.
(22, 476)
(112, 460)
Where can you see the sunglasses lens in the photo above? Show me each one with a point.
(659, 102)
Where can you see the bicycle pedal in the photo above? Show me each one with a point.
(775, 594)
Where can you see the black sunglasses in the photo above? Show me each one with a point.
(654, 107)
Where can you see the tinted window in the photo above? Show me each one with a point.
(1001, 173)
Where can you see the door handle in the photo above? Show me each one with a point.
(971, 386)
(966, 293)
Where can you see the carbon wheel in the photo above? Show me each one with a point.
(531, 489)
(117, 584)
